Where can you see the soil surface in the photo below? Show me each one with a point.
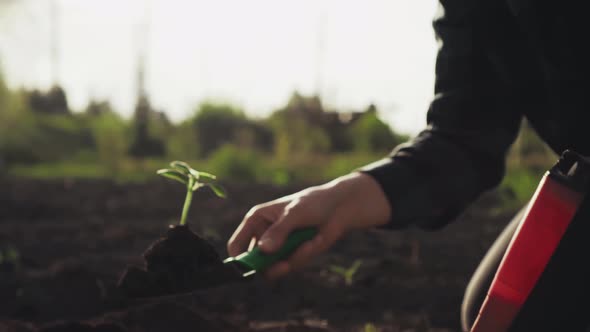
(180, 262)
(66, 244)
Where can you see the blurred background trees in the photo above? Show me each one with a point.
(218, 124)
(41, 136)
(110, 134)
(302, 141)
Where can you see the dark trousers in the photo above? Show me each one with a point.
(481, 280)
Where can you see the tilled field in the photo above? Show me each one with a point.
(74, 239)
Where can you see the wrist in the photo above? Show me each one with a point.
(363, 199)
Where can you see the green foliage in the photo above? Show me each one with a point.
(529, 143)
(58, 137)
(528, 159)
(17, 131)
(301, 129)
(218, 124)
(110, 133)
(214, 124)
(5, 95)
(518, 186)
(193, 180)
(343, 163)
(84, 165)
(300, 142)
(144, 143)
(63, 169)
(146, 147)
(52, 102)
(44, 138)
(234, 163)
(347, 273)
(10, 255)
(160, 126)
(15, 126)
(183, 142)
(369, 327)
(37, 127)
(294, 137)
(371, 134)
(98, 108)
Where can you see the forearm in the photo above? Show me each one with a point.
(363, 199)
(433, 178)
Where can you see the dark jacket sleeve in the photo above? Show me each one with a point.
(471, 123)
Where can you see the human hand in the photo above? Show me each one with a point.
(354, 201)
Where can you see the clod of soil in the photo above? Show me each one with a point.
(180, 262)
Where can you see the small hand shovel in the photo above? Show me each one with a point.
(255, 260)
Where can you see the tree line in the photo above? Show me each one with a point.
(39, 127)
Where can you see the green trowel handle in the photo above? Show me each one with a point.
(256, 260)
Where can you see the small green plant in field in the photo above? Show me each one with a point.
(369, 327)
(10, 256)
(193, 180)
(347, 273)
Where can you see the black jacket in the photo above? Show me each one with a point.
(498, 61)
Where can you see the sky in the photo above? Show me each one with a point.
(253, 53)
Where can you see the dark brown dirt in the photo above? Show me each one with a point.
(75, 238)
(180, 262)
(81, 327)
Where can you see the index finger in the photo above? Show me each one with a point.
(255, 223)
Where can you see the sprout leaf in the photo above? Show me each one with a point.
(347, 273)
(193, 180)
(203, 176)
(196, 186)
(218, 190)
(174, 175)
(355, 266)
(338, 270)
(181, 166)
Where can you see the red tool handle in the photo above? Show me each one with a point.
(549, 214)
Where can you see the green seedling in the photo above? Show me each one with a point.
(369, 327)
(347, 273)
(193, 180)
(10, 256)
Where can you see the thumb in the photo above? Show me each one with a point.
(277, 233)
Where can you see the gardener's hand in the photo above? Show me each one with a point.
(354, 201)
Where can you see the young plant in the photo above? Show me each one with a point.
(370, 327)
(347, 273)
(193, 180)
(10, 256)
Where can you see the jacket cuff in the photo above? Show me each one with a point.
(408, 195)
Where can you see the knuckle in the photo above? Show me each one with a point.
(254, 211)
(296, 208)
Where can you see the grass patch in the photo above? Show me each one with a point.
(519, 185)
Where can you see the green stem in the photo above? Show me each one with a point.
(187, 200)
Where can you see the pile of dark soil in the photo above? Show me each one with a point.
(177, 263)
